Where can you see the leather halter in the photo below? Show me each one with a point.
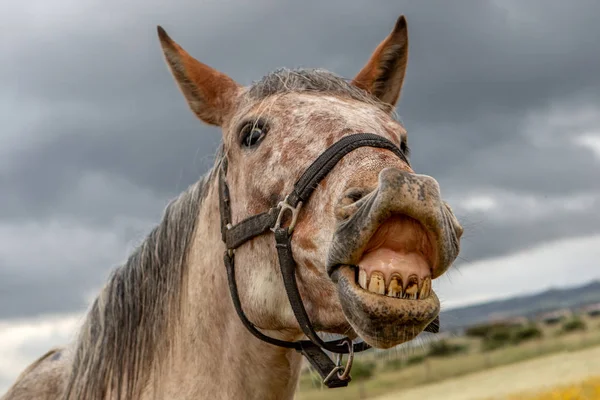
(236, 235)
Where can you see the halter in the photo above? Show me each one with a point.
(333, 374)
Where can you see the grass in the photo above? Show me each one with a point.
(395, 373)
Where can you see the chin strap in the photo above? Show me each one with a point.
(333, 374)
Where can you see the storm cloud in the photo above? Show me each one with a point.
(96, 137)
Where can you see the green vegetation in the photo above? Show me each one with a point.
(444, 348)
(594, 313)
(414, 360)
(554, 320)
(377, 373)
(398, 363)
(362, 370)
(481, 330)
(574, 324)
(526, 333)
(495, 336)
(394, 364)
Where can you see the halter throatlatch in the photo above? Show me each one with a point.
(333, 375)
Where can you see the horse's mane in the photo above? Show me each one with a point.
(128, 328)
(317, 80)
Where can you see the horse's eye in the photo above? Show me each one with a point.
(404, 148)
(252, 134)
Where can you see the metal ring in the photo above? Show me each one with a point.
(330, 375)
(346, 374)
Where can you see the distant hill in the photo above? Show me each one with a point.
(528, 305)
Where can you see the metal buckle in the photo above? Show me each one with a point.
(285, 206)
(346, 374)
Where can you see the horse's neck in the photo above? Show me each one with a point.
(217, 357)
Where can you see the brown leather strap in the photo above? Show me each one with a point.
(288, 272)
(250, 228)
(323, 165)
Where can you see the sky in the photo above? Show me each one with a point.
(501, 102)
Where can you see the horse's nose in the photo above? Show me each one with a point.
(417, 196)
(399, 192)
(406, 194)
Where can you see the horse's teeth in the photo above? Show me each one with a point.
(425, 288)
(412, 288)
(395, 287)
(377, 283)
(362, 278)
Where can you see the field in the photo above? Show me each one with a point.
(523, 380)
(520, 371)
(588, 389)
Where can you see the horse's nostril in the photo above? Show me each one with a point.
(353, 195)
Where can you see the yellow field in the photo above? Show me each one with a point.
(517, 381)
(589, 389)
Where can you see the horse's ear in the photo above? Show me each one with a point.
(384, 73)
(209, 93)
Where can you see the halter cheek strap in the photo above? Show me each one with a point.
(236, 235)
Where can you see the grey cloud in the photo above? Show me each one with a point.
(116, 139)
(484, 239)
(162, 157)
(517, 164)
(31, 296)
(53, 267)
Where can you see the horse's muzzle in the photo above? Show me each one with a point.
(389, 244)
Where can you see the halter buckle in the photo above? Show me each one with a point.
(285, 206)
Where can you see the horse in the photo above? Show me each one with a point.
(210, 304)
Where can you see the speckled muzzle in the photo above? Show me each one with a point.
(388, 246)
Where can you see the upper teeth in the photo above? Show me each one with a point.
(376, 283)
(412, 287)
(395, 287)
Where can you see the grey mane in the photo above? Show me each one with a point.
(126, 330)
(317, 80)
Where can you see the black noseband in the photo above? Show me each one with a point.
(236, 235)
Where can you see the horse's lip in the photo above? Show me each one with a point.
(353, 250)
(334, 271)
(382, 321)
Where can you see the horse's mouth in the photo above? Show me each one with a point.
(387, 296)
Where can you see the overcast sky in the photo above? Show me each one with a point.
(501, 102)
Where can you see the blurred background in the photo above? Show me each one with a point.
(502, 105)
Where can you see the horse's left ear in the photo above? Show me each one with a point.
(209, 93)
(384, 73)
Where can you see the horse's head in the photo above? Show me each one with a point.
(372, 235)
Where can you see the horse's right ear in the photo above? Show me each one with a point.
(209, 93)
